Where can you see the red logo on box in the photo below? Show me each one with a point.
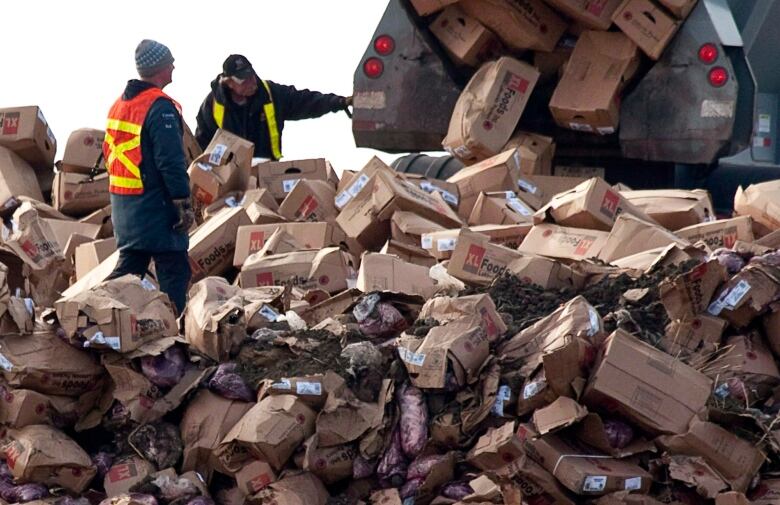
(583, 246)
(729, 240)
(307, 208)
(256, 241)
(474, 259)
(489, 324)
(202, 195)
(122, 472)
(259, 482)
(518, 83)
(610, 203)
(11, 123)
(265, 279)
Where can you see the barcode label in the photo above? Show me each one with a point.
(309, 388)
(594, 483)
(426, 242)
(215, 158)
(5, 364)
(269, 313)
(358, 185)
(518, 206)
(289, 184)
(522, 183)
(410, 357)
(343, 199)
(446, 244)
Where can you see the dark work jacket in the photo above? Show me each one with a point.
(145, 222)
(248, 121)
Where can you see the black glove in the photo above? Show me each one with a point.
(347, 103)
(185, 214)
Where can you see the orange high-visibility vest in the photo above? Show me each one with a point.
(122, 145)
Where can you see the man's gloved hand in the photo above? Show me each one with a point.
(347, 101)
(186, 216)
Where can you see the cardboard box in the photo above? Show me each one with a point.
(425, 7)
(751, 362)
(206, 421)
(759, 201)
(489, 108)
(689, 294)
(551, 65)
(593, 431)
(447, 190)
(520, 24)
(84, 152)
(746, 295)
(536, 152)
(480, 308)
(214, 320)
(735, 460)
(720, 233)
(693, 335)
(101, 218)
(252, 238)
(24, 130)
(366, 218)
(409, 228)
(310, 201)
(571, 244)
(273, 429)
(349, 189)
(476, 261)
(587, 97)
(328, 269)
(680, 8)
(92, 254)
(293, 489)
(17, 178)
(126, 473)
(648, 25)
(408, 253)
(501, 207)
(570, 463)
(673, 208)
(591, 205)
(648, 387)
(496, 448)
(79, 195)
(47, 456)
(465, 39)
(382, 272)
(631, 235)
(280, 177)
(192, 148)
(213, 244)
(560, 414)
(545, 272)
(537, 485)
(593, 14)
(538, 190)
(507, 235)
(499, 173)
(33, 240)
(254, 477)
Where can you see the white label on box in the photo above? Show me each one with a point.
(215, 158)
(717, 306)
(594, 321)
(114, 343)
(232, 202)
(342, 199)
(204, 166)
(737, 293)
(517, 159)
(5, 364)
(41, 117)
(594, 484)
(461, 152)
(50, 134)
(510, 195)
(504, 395)
(581, 127)
(426, 242)
(518, 206)
(449, 197)
(764, 123)
(289, 184)
(268, 313)
(29, 305)
(446, 244)
(427, 186)
(309, 388)
(605, 130)
(527, 186)
(282, 384)
(410, 357)
(148, 285)
(717, 108)
(633, 484)
(532, 389)
(358, 185)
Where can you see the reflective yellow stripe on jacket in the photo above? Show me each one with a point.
(218, 111)
(117, 152)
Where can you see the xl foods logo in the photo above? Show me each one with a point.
(511, 86)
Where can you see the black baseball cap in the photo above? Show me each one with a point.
(237, 66)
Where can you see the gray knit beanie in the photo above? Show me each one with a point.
(151, 57)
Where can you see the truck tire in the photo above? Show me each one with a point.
(434, 167)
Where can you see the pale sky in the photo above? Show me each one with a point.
(73, 58)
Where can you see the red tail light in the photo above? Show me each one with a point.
(718, 77)
(373, 67)
(384, 45)
(708, 53)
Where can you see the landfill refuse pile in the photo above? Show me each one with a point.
(505, 336)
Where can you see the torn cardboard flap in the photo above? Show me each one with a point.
(496, 448)
(33, 239)
(273, 429)
(214, 320)
(382, 272)
(344, 418)
(536, 482)
(690, 293)
(501, 207)
(251, 238)
(446, 309)
(631, 235)
(561, 413)
(695, 472)
(673, 208)
(592, 431)
(693, 335)
(748, 294)
(408, 227)
(545, 272)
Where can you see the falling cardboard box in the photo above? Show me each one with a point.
(17, 178)
(673, 208)
(593, 14)
(24, 130)
(464, 38)
(498, 173)
(366, 218)
(587, 97)
(357, 182)
(592, 205)
(536, 152)
(328, 269)
(648, 387)
(280, 177)
(572, 244)
(647, 24)
(84, 152)
(520, 24)
(489, 108)
(213, 244)
(720, 233)
(252, 238)
(382, 272)
(310, 200)
(78, 194)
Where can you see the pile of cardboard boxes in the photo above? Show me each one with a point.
(341, 340)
